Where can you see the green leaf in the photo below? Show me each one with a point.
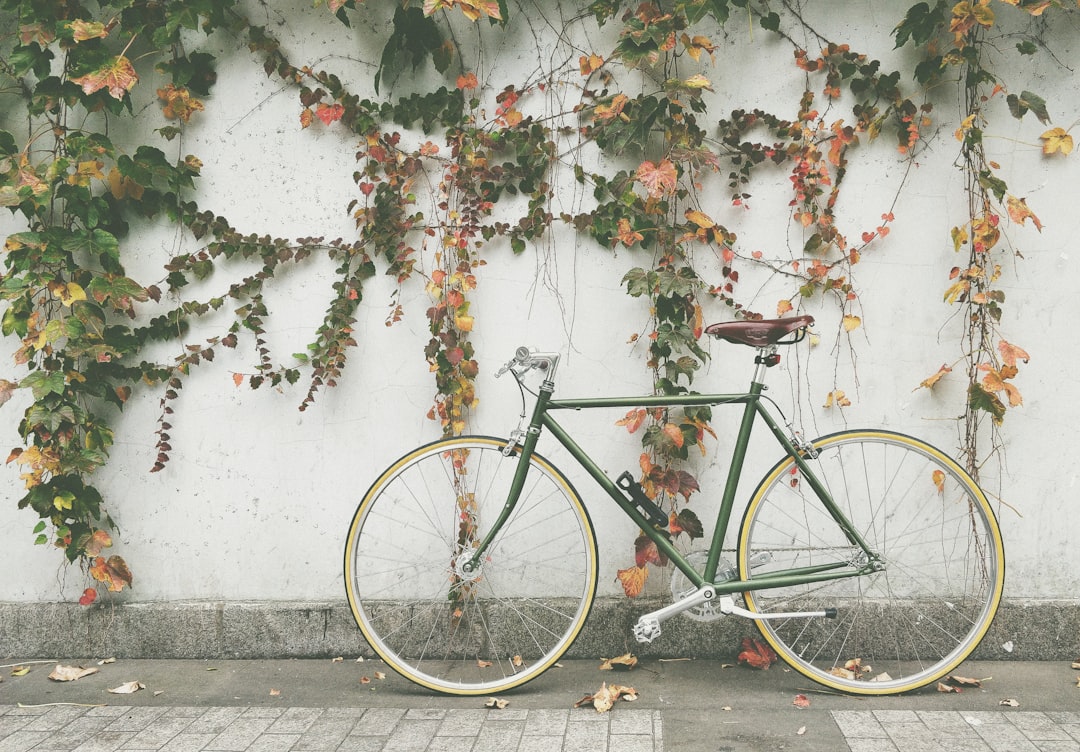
(1027, 47)
(980, 399)
(771, 22)
(1027, 100)
(920, 24)
(94, 242)
(44, 383)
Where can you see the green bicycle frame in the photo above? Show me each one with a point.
(753, 408)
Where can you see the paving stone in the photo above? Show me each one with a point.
(459, 744)
(546, 723)
(411, 735)
(325, 734)
(187, 742)
(295, 721)
(1058, 746)
(377, 722)
(462, 723)
(54, 719)
(499, 737)
(21, 741)
(158, 734)
(239, 734)
(1038, 727)
(273, 743)
(634, 722)
(135, 719)
(872, 744)
(859, 724)
(106, 741)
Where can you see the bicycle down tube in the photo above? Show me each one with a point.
(753, 408)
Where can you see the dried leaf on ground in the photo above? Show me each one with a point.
(943, 687)
(106, 661)
(70, 673)
(339, 659)
(963, 681)
(128, 688)
(606, 697)
(481, 663)
(756, 653)
(495, 702)
(801, 701)
(1009, 703)
(801, 731)
(622, 663)
(20, 671)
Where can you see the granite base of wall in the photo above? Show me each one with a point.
(1044, 630)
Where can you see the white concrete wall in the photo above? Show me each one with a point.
(257, 497)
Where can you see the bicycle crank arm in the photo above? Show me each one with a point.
(647, 628)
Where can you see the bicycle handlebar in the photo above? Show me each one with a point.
(525, 360)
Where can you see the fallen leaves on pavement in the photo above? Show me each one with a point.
(128, 688)
(70, 673)
(623, 663)
(606, 697)
(756, 653)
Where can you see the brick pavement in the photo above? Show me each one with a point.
(70, 728)
(959, 731)
(118, 728)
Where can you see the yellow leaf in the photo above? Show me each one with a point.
(783, 307)
(931, 381)
(84, 30)
(633, 580)
(939, 480)
(20, 671)
(625, 662)
(700, 219)
(1019, 212)
(838, 398)
(1057, 140)
(851, 323)
(698, 81)
(957, 289)
(70, 293)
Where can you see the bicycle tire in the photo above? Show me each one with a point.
(944, 563)
(459, 633)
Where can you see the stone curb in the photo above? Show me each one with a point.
(1046, 630)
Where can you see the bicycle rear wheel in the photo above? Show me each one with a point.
(460, 632)
(899, 628)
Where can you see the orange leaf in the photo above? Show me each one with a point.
(467, 81)
(113, 572)
(756, 654)
(118, 76)
(89, 596)
(1010, 353)
(238, 378)
(658, 179)
(633, 420)
(784, 306)
(801, 701)
(633, 580)
(99, 540)
(590, 63)
(674, 433)
(939, 480)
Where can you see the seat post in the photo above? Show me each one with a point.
(766, 358)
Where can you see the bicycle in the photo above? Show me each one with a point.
(869, 560)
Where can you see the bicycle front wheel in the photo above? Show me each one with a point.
(940, 548)
(469, 632)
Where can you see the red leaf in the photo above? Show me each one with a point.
(118, 76)
(329, 113)
(645, 551)
(88, 596)
(756, 654)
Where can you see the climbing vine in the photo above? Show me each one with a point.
(643, 138)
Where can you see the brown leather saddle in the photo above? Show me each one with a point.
(761, 333)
